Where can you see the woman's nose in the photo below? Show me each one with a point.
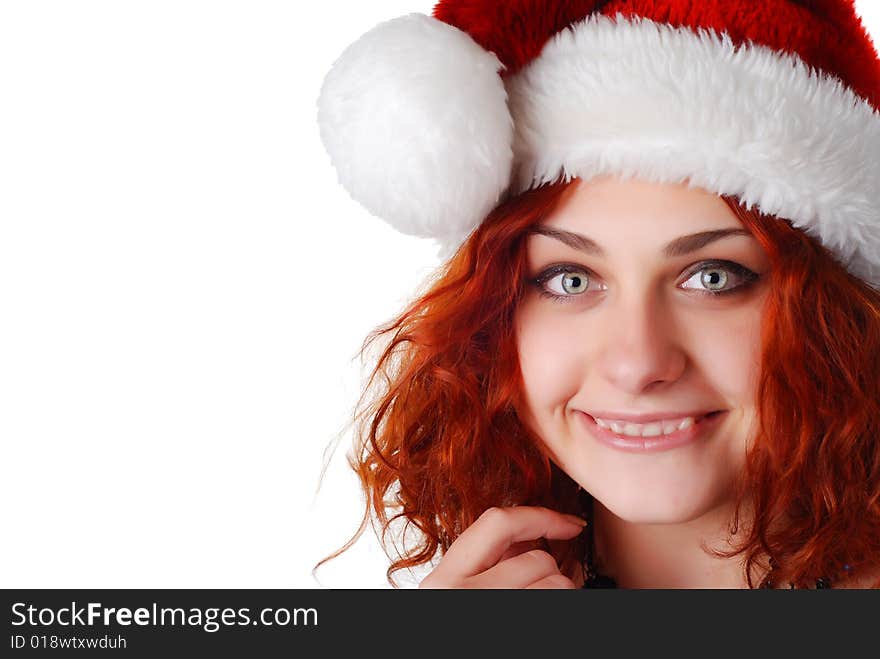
(641, 348)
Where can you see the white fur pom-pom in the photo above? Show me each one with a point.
(414, 117)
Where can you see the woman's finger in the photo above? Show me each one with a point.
(485, 541)
(517, 572)
(518, 548)
(553, 582)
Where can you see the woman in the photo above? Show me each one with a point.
(661, 313)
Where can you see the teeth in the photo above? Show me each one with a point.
(654, 429)
(632, 429)
(670, 426)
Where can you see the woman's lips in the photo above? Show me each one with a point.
(675, 439)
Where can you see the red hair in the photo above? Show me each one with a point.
(439, 439)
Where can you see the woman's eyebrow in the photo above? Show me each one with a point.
(678, 247)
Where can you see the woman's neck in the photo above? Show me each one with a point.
(667, 555)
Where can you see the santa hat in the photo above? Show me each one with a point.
(430, 122)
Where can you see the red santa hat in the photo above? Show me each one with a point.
(430, 122)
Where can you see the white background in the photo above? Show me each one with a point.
(183, 290)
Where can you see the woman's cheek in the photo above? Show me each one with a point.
(729, 354)
(551, 367)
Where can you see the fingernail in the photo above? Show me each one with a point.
(577, 520)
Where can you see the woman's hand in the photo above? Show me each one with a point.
(496, 551)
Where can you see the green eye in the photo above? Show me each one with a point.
(714, 279)
(720, 278)
(575, 282)
(566, 282)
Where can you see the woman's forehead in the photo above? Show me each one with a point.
(636, 221)
(612, 206)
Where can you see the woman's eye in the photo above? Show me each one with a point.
(565, 282)
(573, 283)
(719, 278)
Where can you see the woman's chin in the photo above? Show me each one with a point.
(668, 505)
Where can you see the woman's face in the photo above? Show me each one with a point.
(644, 302)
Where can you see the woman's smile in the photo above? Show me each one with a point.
(650, 437)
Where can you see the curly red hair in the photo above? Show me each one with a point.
(439, 439)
